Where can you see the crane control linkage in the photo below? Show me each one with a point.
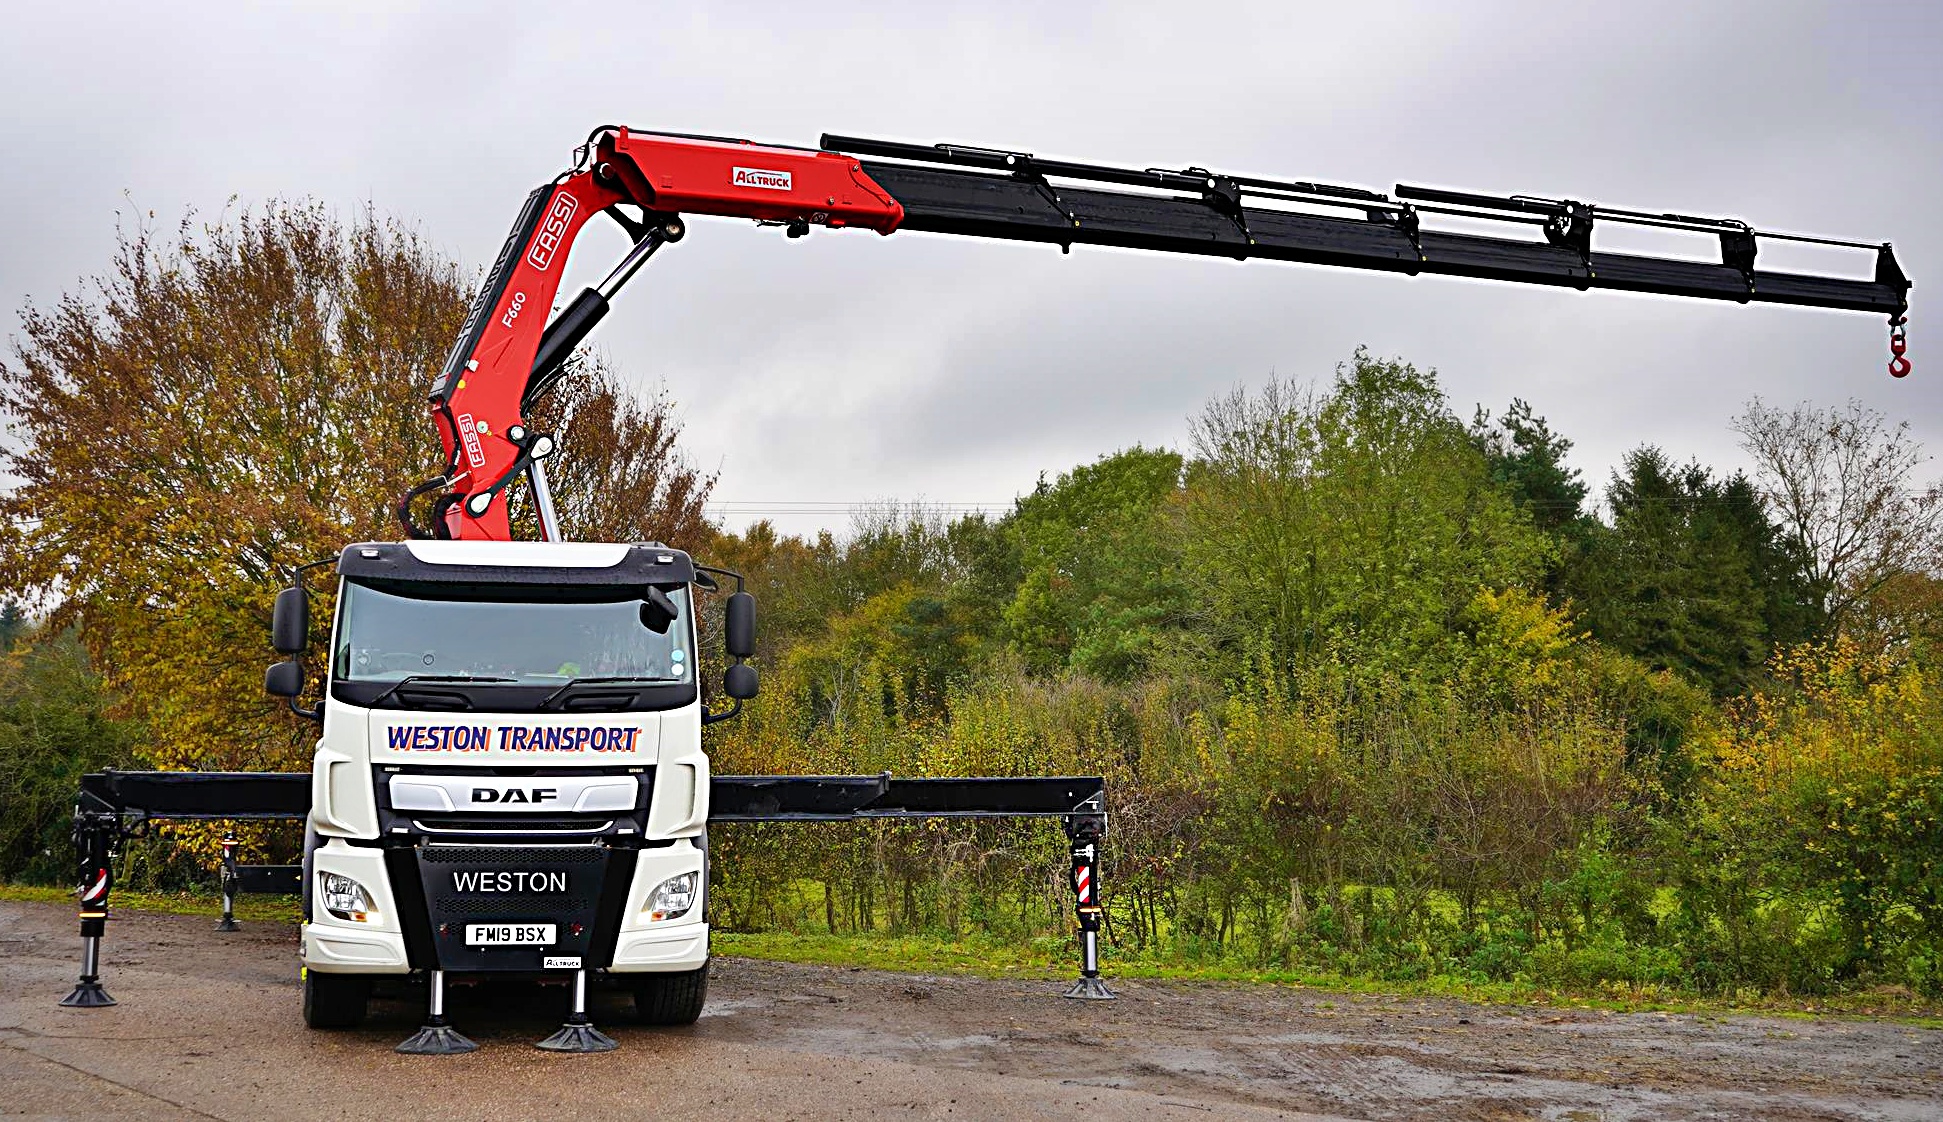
(508, 356)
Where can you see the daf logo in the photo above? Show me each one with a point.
(514, 795)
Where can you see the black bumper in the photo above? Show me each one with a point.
(441, 889)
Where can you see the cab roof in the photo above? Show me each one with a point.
(488, 562)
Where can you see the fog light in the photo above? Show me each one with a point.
(345, 898)
(672, 898)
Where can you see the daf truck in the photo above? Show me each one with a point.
(509, 777)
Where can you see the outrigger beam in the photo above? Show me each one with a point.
(838, 798)
(112, 802)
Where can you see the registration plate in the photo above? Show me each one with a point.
(509, 934)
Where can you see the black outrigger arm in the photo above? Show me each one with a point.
(112, 803)
(1079, 802)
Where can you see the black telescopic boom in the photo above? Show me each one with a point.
(1018, 196)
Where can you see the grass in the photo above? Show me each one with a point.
(1050, 959)
(281, 909)
(1055, 959)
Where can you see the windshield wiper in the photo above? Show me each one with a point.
(410, 678)
(565, 686)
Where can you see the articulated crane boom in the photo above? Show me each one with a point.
(508, 356)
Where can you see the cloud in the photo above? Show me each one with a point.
(848, 367)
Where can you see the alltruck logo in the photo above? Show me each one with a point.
(470, 434)
(757, 177)
(552, 228)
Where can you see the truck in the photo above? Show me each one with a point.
(510, 777)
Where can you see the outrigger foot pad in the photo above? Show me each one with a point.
(229, 924)
(1091, 989)
(578, 1036)
(437, 1040)
(87, 995)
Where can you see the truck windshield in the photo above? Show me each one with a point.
(527, 635)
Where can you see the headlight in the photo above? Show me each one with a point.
(672, 898)
(345, 898)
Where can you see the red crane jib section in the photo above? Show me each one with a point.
(478, 398)
(508, 354)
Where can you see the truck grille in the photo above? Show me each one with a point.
(507, 825)
(540, 905)
(542, 855)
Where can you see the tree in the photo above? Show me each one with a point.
(1527, 459)
(1842, 481)
(1356, 525)
(983, 575)
(12, 624)
(619, 474)
(54, 728)
(1691, 575)
(225, 404)
(1099, 582)
(892, 545)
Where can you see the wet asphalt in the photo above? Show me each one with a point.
(209, 1027)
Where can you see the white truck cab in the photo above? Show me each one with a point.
(510, 777)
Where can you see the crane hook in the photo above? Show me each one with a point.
(1898, 343)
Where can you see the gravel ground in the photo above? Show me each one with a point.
(209, 1028)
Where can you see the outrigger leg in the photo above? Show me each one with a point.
(96, 837)
(579, 1033)
(437, 1038)
(228, 922)
(1086, 831)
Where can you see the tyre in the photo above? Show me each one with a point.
(335, 1001)
(671, 999)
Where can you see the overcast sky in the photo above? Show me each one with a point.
(847, 368)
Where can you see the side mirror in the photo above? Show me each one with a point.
(740, 623)
(658, 612)
(739, 681)
(290, 622)
(284, 679)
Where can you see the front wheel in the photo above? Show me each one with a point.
(671, 999)
(335, 1001)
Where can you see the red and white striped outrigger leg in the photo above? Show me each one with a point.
(1087, 830)
(97, 834)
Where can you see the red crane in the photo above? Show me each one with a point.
(510, 353)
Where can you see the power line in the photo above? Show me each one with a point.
(838, 506)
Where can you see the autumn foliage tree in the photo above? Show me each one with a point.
(228, 402)
(620, 475)
(235, 399)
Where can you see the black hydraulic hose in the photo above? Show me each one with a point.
(404, 508)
